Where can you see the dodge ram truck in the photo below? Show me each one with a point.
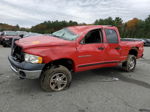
(53, 58)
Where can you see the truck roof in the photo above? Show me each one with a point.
(83, 28)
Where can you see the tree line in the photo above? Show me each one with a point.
(134, 28)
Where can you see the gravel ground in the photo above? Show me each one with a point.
(100, 90)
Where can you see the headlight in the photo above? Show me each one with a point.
(33, 58)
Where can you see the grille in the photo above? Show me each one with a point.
(10, 40)
(16, 52)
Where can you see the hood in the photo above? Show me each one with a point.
(41, 41)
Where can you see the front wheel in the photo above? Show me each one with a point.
(130, 64)
(56, 78)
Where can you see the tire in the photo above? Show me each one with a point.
(130, 64)
(57, 78)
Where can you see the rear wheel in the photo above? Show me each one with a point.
(130, 64)
(56, 78)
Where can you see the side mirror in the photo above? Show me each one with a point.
(82, 41)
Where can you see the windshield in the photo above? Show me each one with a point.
(10, 33)
(65, 34)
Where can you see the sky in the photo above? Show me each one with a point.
(27, 13)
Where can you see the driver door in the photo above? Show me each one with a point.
(91, 51)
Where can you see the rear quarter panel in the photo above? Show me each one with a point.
(126, 46)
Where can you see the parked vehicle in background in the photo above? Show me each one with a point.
(31, 34)
(132, 39)
(7, 36)
(21, 33)
(73, 49)
(146, 41)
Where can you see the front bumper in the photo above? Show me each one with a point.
(25, 69)
(7, 42)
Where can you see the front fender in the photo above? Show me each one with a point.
(53, 53)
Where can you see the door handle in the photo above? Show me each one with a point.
(101, 48)
(118, 48)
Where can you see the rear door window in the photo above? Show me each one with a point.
(111, 36)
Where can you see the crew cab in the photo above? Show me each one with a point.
(53, 58)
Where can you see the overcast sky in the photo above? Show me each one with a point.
(27, 13)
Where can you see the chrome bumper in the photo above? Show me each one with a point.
(26, 74)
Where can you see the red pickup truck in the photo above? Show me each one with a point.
(53, 58)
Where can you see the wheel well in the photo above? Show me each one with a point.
(134, 51)
(68, 63)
